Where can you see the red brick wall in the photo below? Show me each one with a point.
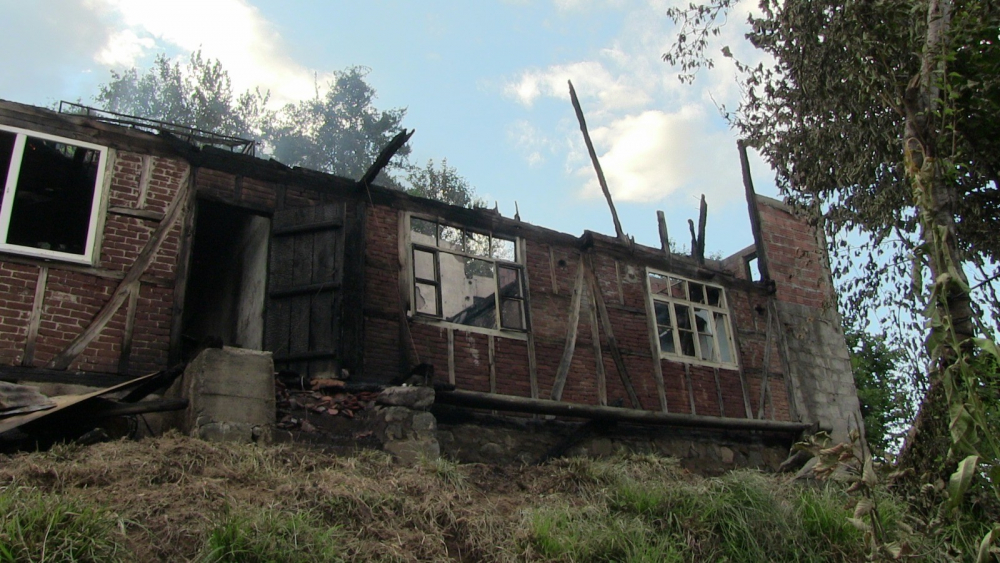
(73, 295)
(795, 258)
(551, 270)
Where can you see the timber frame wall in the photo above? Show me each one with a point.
(590, 338)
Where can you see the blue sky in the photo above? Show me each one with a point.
(484, 85)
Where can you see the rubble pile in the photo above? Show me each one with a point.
(324, 397)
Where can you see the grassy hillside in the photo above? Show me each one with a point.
(176, 499)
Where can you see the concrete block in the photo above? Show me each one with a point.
(418, 398)
(230, 393)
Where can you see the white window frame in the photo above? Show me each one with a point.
(720, 309)
(438, 319)
(10, 187)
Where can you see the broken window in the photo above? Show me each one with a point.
(466, 277)
(52, 191)
(692, 319)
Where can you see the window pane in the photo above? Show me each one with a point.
(510, 282)
(658, 284)
(426, 299)
(681, 314)
(512, 314)
(666, 339)
(423, 232)
(678, 288)
(662, 311)
(697, 292)
(6, 150)
(503, 249)
(423, 265)
(707, 344)
(703, 321)
(54, 197)
(687, 342)
(468, 290)
(722, 334)
(714, 296)
(450, 238)
(477, 244)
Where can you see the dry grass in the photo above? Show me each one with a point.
(178, 499)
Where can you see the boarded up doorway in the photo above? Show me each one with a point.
(228, 278)
(305, 297)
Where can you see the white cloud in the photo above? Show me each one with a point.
(123, 48)
(655, 154)
(249, 47)
(590, 79)
(530, 142)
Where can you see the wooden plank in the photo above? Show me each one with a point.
(478, 400)
(690, 388)
(616, 353)
(277, 326)
(321, 333)
(181, 277)
(451, 355)
(298, 329)
(302, 257)
(137, 213)
(126, 354)
(532, 361)
(766, 368)
(308, 227)
(571, 327)
(36, 316)
(654, 351)
(595, 336)
(310, 289)
(128, 283)
(493, 363)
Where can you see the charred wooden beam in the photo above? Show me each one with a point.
(478, 400)
(616, 353)
(571, 328)
(758, 236)
(702, 220)
(383, 158)
(597, 164)
(661, 221)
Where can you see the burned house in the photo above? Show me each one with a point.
(121, 250)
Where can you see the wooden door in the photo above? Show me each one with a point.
(304, 306)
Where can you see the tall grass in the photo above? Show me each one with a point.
(37, 527)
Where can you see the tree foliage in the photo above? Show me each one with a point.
(198, 94)
(886, 395)
(339, 130)
(443, 184)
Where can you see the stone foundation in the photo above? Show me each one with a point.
(480, 438)
(403, 424)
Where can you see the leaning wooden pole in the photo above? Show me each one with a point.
(758, 237)
(597, 165)
(702, 219)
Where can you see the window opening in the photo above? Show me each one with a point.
(466, 277)
(692, 319)
(52, 187)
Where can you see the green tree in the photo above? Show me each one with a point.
(443, 184)
(886, 396)
(883, 115)
(198, 94)
(340, 131)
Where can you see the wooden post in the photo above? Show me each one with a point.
(694, 240)
(702, 219)
(597, 165)
(595, 336)
(661, 221)
(690, 386)
(718, 390)
(36, 316)
(451, 355)
(126, 353)
(493, 363)
(570, 346)
(616, 354)
(522, 249)
(758, 237)
(767, 367)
